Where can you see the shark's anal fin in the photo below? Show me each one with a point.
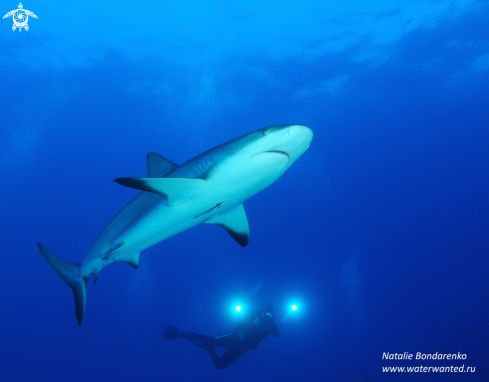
(176, 191)
(235, 222)
(68, 271)
(158, 165)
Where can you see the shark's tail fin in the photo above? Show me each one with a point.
(68, 271)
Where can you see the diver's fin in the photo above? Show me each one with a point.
(176, 191)
(158, 165)
(171, 333)
(68, 271)
(132, 259)
(235, 222)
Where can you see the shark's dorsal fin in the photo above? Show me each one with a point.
(158, 165)
(176, 191)
(235, 222)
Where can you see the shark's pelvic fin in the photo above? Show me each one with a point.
(131, 259)
(68, 271)
(158, 165)
(235, 223)
(176, 191)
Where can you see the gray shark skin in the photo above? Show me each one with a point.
(209, 188)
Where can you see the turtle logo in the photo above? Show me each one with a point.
(20, 17)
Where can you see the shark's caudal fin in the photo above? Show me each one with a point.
(68, 271)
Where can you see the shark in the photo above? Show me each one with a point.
(209, 188)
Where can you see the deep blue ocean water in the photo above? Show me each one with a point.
(379, 232)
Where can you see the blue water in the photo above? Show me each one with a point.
(379, 232)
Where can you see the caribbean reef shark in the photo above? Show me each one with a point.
(209, 188)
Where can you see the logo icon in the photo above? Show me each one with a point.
(20, 17)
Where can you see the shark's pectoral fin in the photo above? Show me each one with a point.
(235, 222)
(158, 165)
(176, 191)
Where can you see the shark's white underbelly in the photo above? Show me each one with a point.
(147, 220)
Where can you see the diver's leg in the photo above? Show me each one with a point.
(200, 340)
(231, 355)
(206, 343)
(231, 341)
(221, 341)
(227, 359)
(226, 340)
(235, 349)
(215, 357)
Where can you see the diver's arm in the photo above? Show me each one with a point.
(245, 323)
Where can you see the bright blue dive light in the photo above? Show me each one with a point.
(238, 308)
(292, 308)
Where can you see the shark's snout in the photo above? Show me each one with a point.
(293, 141)
(301, 132)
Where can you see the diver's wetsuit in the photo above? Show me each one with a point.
(255, 327)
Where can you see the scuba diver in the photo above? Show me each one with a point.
(250, 331)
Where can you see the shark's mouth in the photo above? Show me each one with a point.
(279, 152)
(274, 152)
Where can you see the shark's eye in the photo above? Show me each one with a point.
(265, 131)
